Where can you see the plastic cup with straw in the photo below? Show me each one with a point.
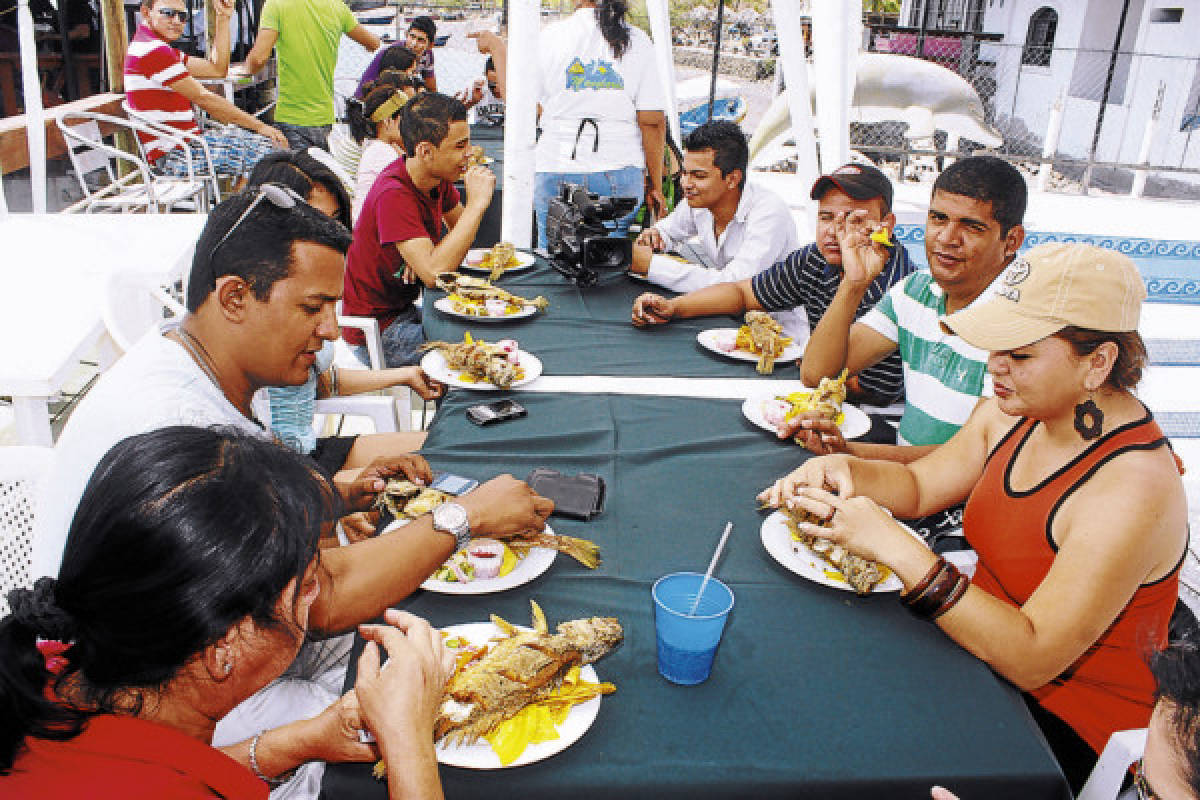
(690, 611)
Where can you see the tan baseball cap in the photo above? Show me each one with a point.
(1050, 287)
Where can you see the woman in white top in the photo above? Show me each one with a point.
(375, 121)
(602, 122)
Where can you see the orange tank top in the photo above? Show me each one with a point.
(1109, 688)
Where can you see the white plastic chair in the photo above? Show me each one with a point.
(1123, 748)
(138, 190)
(1189, 575)
(203, 172)
(346, 152)
(399, 397)
(134, 304)
(23, 469)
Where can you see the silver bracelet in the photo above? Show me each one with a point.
(258, 773)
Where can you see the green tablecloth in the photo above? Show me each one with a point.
(814, 692)
(588, 332)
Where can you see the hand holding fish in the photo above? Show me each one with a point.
(859, 524)
(359, 492)
(862, 257)
(399, 705)
(360, 525)
(505, 507)
(833, 471)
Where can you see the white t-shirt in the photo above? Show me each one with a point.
(581, 80)
(376, 157)
(154, 385)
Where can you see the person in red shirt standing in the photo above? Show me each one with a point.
(414, 226)
(161, 83)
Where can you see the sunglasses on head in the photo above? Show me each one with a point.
(177, 14)
(276, 194)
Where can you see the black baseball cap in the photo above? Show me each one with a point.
(860, 181)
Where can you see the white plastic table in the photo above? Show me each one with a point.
(53, 269)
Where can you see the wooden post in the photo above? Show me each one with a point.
(116, 42)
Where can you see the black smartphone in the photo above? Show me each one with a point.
(499, 411)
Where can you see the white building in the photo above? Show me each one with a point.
(1063, 48)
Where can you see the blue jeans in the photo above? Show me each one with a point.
(402, 341)
(302, 137)
(624, 182)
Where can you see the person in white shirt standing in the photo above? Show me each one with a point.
(602, 105)
(742, 229)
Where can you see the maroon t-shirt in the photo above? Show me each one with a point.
(395, 211)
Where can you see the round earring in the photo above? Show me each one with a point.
(1089, 419)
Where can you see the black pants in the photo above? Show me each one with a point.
(1075, 756)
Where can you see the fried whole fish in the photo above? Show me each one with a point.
(521, 668)
(766, 334)
(408, 500)
(861, 573)
(480, 290)
(481, 360)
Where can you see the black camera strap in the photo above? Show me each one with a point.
(595, 142)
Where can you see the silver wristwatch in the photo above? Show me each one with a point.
(451, 518)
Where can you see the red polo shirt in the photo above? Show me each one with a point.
(125, 758)
(395, 211)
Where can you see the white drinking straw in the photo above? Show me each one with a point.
(711, 565)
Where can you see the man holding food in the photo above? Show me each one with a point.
(809, 278)
(413, 225)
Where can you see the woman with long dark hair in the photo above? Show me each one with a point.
(190, 569)
(602, 122)
(375, 125)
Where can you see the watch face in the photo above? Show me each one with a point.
(450, 516)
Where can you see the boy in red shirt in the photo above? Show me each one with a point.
(414, 226)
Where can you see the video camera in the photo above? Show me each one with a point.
(576, 237)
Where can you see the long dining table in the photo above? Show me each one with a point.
(815, 692)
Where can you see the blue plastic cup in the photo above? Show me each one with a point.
(687, 644)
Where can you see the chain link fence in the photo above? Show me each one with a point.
(1044, 107)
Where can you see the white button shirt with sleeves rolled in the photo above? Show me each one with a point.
(761, 233)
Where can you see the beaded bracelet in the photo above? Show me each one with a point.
(258, 773)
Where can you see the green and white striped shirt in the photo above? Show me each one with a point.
(944, 377)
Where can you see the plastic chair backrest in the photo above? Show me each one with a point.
(84, 156)
(135, 304)
(1123, 748)
(22, 471)
(1189, 575)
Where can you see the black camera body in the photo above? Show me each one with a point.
(576, 237)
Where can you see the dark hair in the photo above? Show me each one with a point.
(300, 172)
(989, 180)
(610, 17)
(426, 26)
(1176, 671)
(489, 65)
(358, 112)
(1131, 352)
(180, 534)
(397, 57)
(728, 143)
(260, 250)
(427, 118)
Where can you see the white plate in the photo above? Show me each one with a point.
(777, 540)
(444, 305)
(855, 424)
(527, 568)
(434, 364)
(526, 260)
(480, 755)
(708, 340)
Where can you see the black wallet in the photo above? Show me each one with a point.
(576, 496)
